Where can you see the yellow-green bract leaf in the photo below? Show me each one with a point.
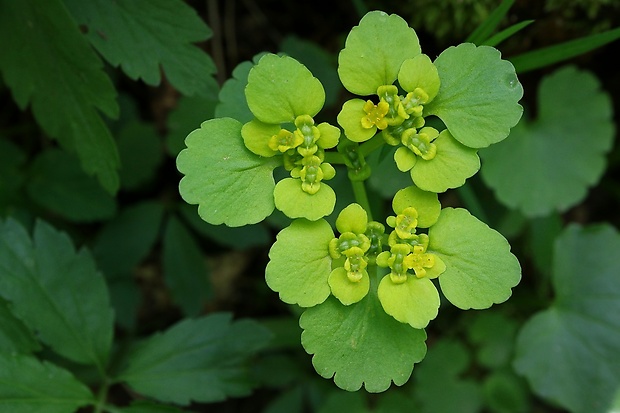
(203, 360)
(451, 166)
(360, 345)
(419, 72)
(548, 164)
(345, 290)
(280, 89)
(569, 352)
(145, 36)
(374, 51)
(353, 218)
(28, 385)
(479, 94)
(300, 264)
(480, 269)
(230, 184)
(56, 291)
(416, 301)
(426, 203)
(350, 118)
(291, 199)
(51, 66)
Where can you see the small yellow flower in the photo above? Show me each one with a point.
(375, 115)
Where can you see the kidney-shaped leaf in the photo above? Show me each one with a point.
(569, 352)
(230, 184)
(549, 164)
(480, 269)
(478, 96)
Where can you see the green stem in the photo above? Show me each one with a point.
(375, 142)
(361, 197)
(102, 396)
(334, 158)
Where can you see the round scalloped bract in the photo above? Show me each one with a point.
(280, 89)
(451, 166)
(346, 291)
(360, 345)
(350, 119)
(299, 263)
(479, 94)
(294, 202)
(374, 51)
(419, 72)
(548, 164)
(415, 302)
(230, 184)
(480, 269)
(353, 218)
(426, 203)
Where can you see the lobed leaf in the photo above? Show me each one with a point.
(15, 337)
(202, 360)
(568, 352)
(280, 89)
(360, 345)
(547, 165)
(478, 96)
(299, 263)
(374, 51)
(52, 67)
(145, 36)
(230, 184)
(56, 291)
(29, 385)
(232, 102)
(480, 269)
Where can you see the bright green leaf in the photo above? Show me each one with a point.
(478, 96)
(360, 344)
(145, 36)
(291, 199)
(416, 301)
(230, 184)
(280, 89)
(451, 166)
(419, 72)
(426, 203)
(56, 291)
(52, 67)
(15, 337)
(300, 264)
(480, 269)
(569, 352)
(141, 152)
(350, 119)
(374, 51)
(58, 183)
(202, 360)
(28, 385)
(549, 164)
(185, 268)
(345, 290)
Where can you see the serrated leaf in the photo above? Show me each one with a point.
(280, 89)
(552, 165)
(202, 360)
(480, 269)
(58, 183)
(52, 67)
(299, 263)
(569, 352)
(360, 345)
(141, 153)
(11, 175)
(14, 334)
(28, 385)
(144, 406)
(230, 184)
(56, 291)
(374, 51)
(142, 36)
(478, 95)
(185, 268)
